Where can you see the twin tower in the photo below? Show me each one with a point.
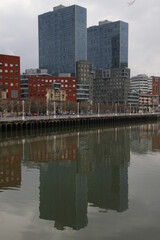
(64, 39)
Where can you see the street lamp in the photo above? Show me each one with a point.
(115, 108)
(54, 109)
(77, 109)
(47, 99)
(23, 110)
(98, 109)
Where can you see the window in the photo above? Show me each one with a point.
(1, 64)
(14, 94)
(16, 65)
(6, 64)
(6, 71)
(66, 80)
(1, 70)
(11, 84)
(11, 65)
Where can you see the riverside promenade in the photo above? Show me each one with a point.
(33, 122)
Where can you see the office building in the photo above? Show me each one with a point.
(107, 44)
(111, 85)
(82, 92)
(62, 39)
(84, 74)
(141, 84)
(10, 75)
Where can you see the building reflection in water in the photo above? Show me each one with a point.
(148, 136)
(89, 174)
(10, 166)
(77, 169)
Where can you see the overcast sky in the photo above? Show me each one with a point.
(19, 28)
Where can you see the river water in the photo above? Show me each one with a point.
(99, 183)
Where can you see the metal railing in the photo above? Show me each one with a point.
(58, 117)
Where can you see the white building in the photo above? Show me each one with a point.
(141, 83)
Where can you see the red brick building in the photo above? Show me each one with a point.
(156, 86)
(37, 86)
(10, 75)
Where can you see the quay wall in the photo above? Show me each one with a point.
(63, 122)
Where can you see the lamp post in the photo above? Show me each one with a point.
(77, 109)
(47, 98)
(23, 110)
(54, 109)
(115, 108)
(98, 109)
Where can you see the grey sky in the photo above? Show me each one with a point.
(19, 28)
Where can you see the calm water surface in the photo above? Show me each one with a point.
(101, 183)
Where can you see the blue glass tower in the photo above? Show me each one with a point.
(108, 44)
(62, 39)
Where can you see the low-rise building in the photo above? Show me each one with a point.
(10, 75)
(133, 98)
(156, 86)
(148, 102)
(24, 79)
(37, 86)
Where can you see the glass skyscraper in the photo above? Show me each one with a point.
(62, 39)
(108, 44)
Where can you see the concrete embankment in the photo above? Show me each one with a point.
(8, 124)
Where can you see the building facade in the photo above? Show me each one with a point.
(37, 86)
(24, 79)
(111, 85)
(107, 45)
(141, 84)
(84, 75)
(56, 93)
(148, 102)
(156, 86)
(82, 92)
(10, 75)
(62, 39)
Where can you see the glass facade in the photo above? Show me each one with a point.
(108, 45)
(62, 39)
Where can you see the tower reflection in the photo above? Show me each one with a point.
(98, 175)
